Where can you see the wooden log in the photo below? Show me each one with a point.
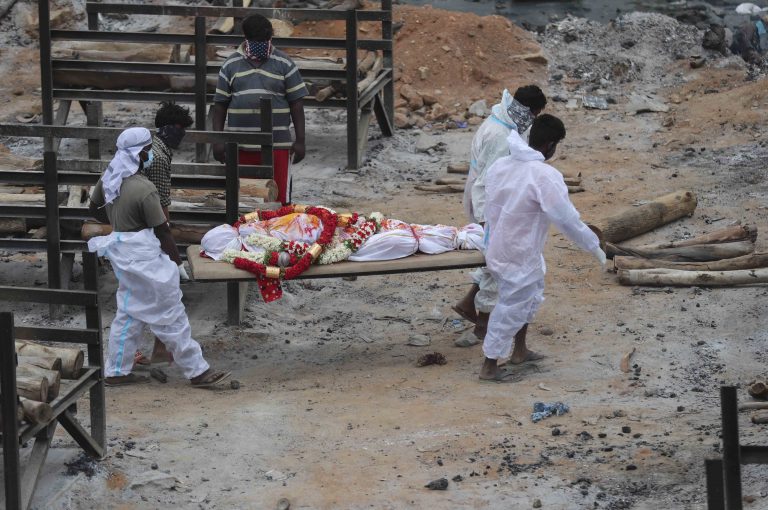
(30, 198)
(760, 418)
(723, 235)
(624, 364)
(262, 188)
(575, 189)
(48, 363)
(572, 181)
(378, 65)
(52, 376)
(673, 277)
(10, 161)
(327, 92)
(751, 261)
(458, 168)
(71, 359)
(444, 188)
(632, 222)
(36, 412)
(448, 180)
(13, 225)
(366, 63)
(33, 387)
(696, 253)
(749, 406)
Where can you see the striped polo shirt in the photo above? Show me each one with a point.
(242, 84)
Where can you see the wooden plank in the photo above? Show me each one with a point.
(207, 270)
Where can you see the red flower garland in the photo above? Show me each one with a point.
(269, 286)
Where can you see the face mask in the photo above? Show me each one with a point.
(258, 51)
(171, 135)
(150, 157)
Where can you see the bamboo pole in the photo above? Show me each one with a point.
(673, 277)
(632, 222)
(71, 359)
(751, 261)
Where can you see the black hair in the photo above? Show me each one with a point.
(545, 129)
(170, 113)
(532, 97)
(257, 28)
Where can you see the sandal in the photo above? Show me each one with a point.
(209, 378)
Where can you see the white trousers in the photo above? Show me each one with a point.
(516, 307)
(488, 295)
(126, 335)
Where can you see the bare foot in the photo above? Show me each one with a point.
(526, 357)
(465, 313)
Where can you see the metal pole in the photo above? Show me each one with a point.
(266, 125)
(52, 219)
(200, 85)
(352, 122)
(46, 68)
(715, 496)
(98, 406)
(731, 448)
(232, 192)
(8, 405)
(389, 61)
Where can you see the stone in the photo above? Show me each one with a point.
(479, 108)
(642, 103)
(546, 331)
(419, 122)
(626, 429)
(414, 98)
(594, 103)
(234, 384)
(419, 340)
(424, 73)
(438, 485)
(446, 48)
(402, 121)
(438, 113)
(536, 503)
(474, 121)
(429, 99)
(275, 475)
(427, 143)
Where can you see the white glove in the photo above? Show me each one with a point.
(600, 255)
(185, 277)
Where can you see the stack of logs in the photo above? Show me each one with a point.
(38, 377)
(368, 68)
(450, 184)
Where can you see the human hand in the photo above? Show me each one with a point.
(298, 150)
(219, 154)
(183, 276)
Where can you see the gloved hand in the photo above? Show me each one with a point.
(183, 276)
(600, 256)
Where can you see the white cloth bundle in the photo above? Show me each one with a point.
(395, 240)
(219, 239)
(434, 239)
(469, 237)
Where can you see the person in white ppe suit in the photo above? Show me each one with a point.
(512, 115)
(524, 197)
(147, 265)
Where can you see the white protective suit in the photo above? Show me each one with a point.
(525, 196)
(488, 145)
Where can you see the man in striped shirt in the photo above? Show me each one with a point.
(258, 70)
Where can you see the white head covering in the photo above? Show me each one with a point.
(126, 160)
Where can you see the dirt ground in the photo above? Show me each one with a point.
(332, 411)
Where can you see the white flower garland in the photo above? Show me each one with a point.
(231, 255)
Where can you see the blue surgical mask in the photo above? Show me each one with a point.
(150, 157)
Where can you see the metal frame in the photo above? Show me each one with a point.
(379, 98)
(83, 172)
(724, 475)
(20, 483)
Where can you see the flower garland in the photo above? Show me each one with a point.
(342, 250)
(268, 271)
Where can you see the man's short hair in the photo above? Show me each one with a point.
(170, 114)
(545, 129)
(532, 97)
(257, 28)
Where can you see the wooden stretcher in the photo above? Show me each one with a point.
(209, 271)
